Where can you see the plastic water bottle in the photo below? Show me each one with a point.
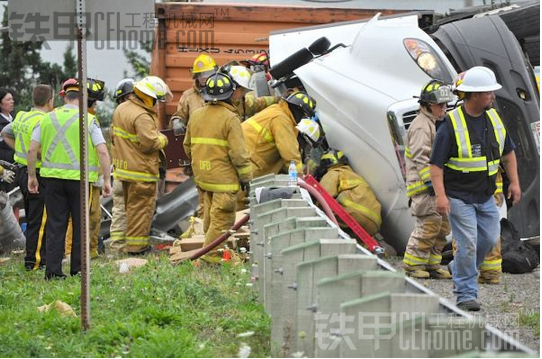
(292, 175)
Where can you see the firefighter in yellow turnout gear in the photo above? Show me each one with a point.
(136, 155)
(491, 268)
(215, 144)
(351, 191)
(123, 92)
(271, 135)
(423, 252)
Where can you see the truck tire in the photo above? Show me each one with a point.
(531, 46)
(523, 22)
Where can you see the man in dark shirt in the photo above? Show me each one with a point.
(468, 147)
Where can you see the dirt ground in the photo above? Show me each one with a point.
(505, 306)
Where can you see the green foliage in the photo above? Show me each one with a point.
(158, 310)
(140, 63)
(530, 320)
(22, 68)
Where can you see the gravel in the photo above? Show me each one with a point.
(502, 304)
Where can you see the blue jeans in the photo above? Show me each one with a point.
(476, 228)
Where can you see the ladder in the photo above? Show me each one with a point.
(363, 236)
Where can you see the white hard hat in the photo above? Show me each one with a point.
(309, 128)
(154, 87)
(241, 76)
(479, 79)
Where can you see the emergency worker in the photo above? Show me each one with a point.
(350, 190)
(117, 231)
(215, 144)
(258, 62)
(17, 135)
(271, 135)
(467, 151)
(423, 253)
(95, 92)
(191, 100)
(491, 268)
(250, 104)
(136, 148)
(58, 137)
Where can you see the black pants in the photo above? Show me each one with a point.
(62, 200)
(34, 209)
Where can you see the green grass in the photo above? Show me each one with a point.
(158, 310)
(530, 319)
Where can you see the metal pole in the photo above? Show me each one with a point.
(83, 160)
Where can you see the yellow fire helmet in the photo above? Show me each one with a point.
(202, 64)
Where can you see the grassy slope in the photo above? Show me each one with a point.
(156, 311)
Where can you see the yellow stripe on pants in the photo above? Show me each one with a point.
(40, 239)
(140, 200)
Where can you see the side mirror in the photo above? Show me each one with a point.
(320, 46)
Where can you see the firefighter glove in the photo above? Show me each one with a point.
(8, 176)
(245, 186)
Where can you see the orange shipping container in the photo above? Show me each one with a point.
(226, 32)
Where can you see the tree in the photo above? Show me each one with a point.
(140, 63)
(22, 68)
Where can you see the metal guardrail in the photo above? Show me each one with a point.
(329, 297)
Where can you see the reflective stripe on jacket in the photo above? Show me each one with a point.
(60, 145)
(136, 142)
(419, 140)
(215, 144)
(353, 193)
(271, 140)
(22, 128)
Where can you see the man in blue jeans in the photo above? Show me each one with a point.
(468, 147)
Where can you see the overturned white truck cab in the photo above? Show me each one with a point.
(364, 87)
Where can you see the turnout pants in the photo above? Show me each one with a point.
(424, 248)
(95, 218)
(118, 219)
(140, 200)
(62, 200)
(219, 215)
(36, 217)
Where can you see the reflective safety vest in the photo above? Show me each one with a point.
(60, 145)
(465, 162)
(22, 127)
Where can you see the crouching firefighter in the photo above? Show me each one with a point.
(350, 190)
(423, 252)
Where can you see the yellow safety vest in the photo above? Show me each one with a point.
(22, 127)
(465, 162)
(60, 145)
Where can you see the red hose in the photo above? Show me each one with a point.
(319, 198)
(220, 239)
